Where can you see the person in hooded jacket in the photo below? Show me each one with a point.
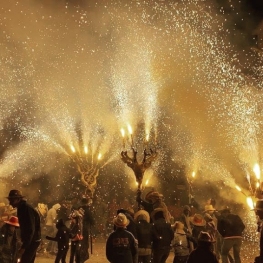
(143, 230)
(51, 220)
(62, 239)
(162, 236)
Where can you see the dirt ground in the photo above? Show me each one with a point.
(248, 252)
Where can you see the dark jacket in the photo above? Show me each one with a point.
(202, 254)
(162, 234)
(88, 220)
(121, 246)
(144, 237)
(29, 221)
(62, 236)
(230, 226)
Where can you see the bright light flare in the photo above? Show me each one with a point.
(122, 132)
(250, 202)
(193, 174)
(72, 148)
(129, 128)
(147, 181)
(99, 156)
(238, 188)
(256, 170)
(86, 149)
(257, 184)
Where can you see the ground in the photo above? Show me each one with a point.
(249, 250)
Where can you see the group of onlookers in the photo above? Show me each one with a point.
(207, 236)
(21, 235)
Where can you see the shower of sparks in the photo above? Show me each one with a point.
(73, 76)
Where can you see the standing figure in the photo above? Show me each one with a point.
(42, 210)
(198, 225)
(62, 238)
(143, 230)
(64, 211)
(9, 241)
(51, 220)
(203, 253)
(121, 245)
(162, 235)
(180, 243)
(29, 222)
(185, 219)
(230, 226)
(76, 237)
(87, 223)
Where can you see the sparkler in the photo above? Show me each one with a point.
(239, 189)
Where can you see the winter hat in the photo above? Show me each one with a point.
(13, 221)
(15, 194)
(155, 195)
(121, 220)
(142, 215)
(205, 237)
(197, 220)
(179, 227)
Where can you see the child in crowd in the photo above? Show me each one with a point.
(62, 238)
(9, 241)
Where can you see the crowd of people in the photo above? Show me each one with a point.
(147, 235)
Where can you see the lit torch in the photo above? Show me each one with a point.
(130, 131)
(250, 202)
(123, 137)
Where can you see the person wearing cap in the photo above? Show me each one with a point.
(121, 245)
(9, 241)
(51, 220)
(203, 253)
(30, 230)
(162, 236)
(143, 230)
(230, 227)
